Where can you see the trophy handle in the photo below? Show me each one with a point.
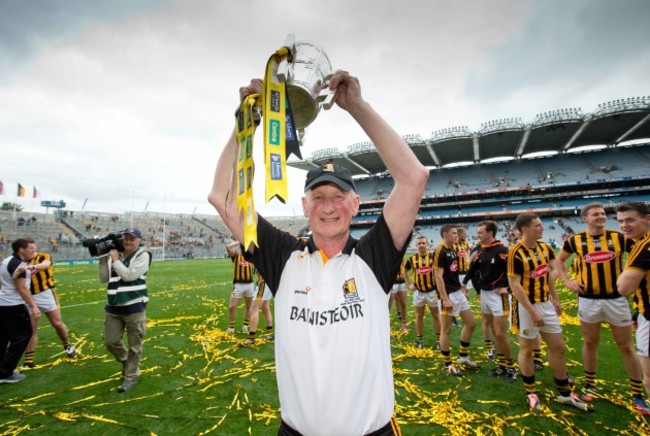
(325, 97)
(283, 67)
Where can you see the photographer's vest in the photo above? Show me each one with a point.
(127, 297)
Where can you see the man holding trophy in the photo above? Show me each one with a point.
(333, 356)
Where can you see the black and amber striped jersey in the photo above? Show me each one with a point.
(422, 267)
(532, 266)
(600, 261)
(639, 260)
(42, 280)
(446, 259)
(242, 269)
(463, 249)
(399, 278)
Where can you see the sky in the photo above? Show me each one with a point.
(126, 105)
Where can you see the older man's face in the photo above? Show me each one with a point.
(330, 210)
(131, 243)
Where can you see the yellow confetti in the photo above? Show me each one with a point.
(101, 419)
(65, 416)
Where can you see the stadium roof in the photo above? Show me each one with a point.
(556, 131)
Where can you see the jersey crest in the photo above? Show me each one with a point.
(350, 289)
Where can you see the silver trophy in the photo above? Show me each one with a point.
(307, 77)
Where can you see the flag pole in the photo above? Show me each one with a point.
(16, 202)
(132, 205)
(31, 202)
(164, 226)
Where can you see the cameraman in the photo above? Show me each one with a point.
(126, 274)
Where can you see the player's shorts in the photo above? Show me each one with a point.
(263, 293)
(643, 337)
(495, 304)
(425, 298)
(246, 290)
(458, 301)
(527, 328)
(398, 287)
(47, 301)
(615, 311)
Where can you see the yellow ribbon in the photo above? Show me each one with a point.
(275, 149)
(246, 167)
(274, 112)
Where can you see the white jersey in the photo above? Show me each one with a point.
(9, 296)
(332, 344)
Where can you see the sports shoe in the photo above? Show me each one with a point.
(539, 366)
(419, 344)
(244, 329)
(641, 406)
(452, 370)
(570, 379)
(454, 322)
(588, 394)
(490, 355)
(126, 385)
(28, 365)
(468, 363)
(269, 337)
(230, 330)
(533, 403)
(13, 378)
(575, 401)
(511, 375)
(497, 372)
(404, 328)
(70, 351)
(438, 346)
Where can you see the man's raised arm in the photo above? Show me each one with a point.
(410, 176)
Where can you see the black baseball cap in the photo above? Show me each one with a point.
(331, 173)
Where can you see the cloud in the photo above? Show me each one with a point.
(564, 51)
(128, 102)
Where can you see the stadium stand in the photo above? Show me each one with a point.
(553, 166)
(169, 236)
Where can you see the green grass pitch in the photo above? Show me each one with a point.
(196, 380)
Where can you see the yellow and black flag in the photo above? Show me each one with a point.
(20, 191)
